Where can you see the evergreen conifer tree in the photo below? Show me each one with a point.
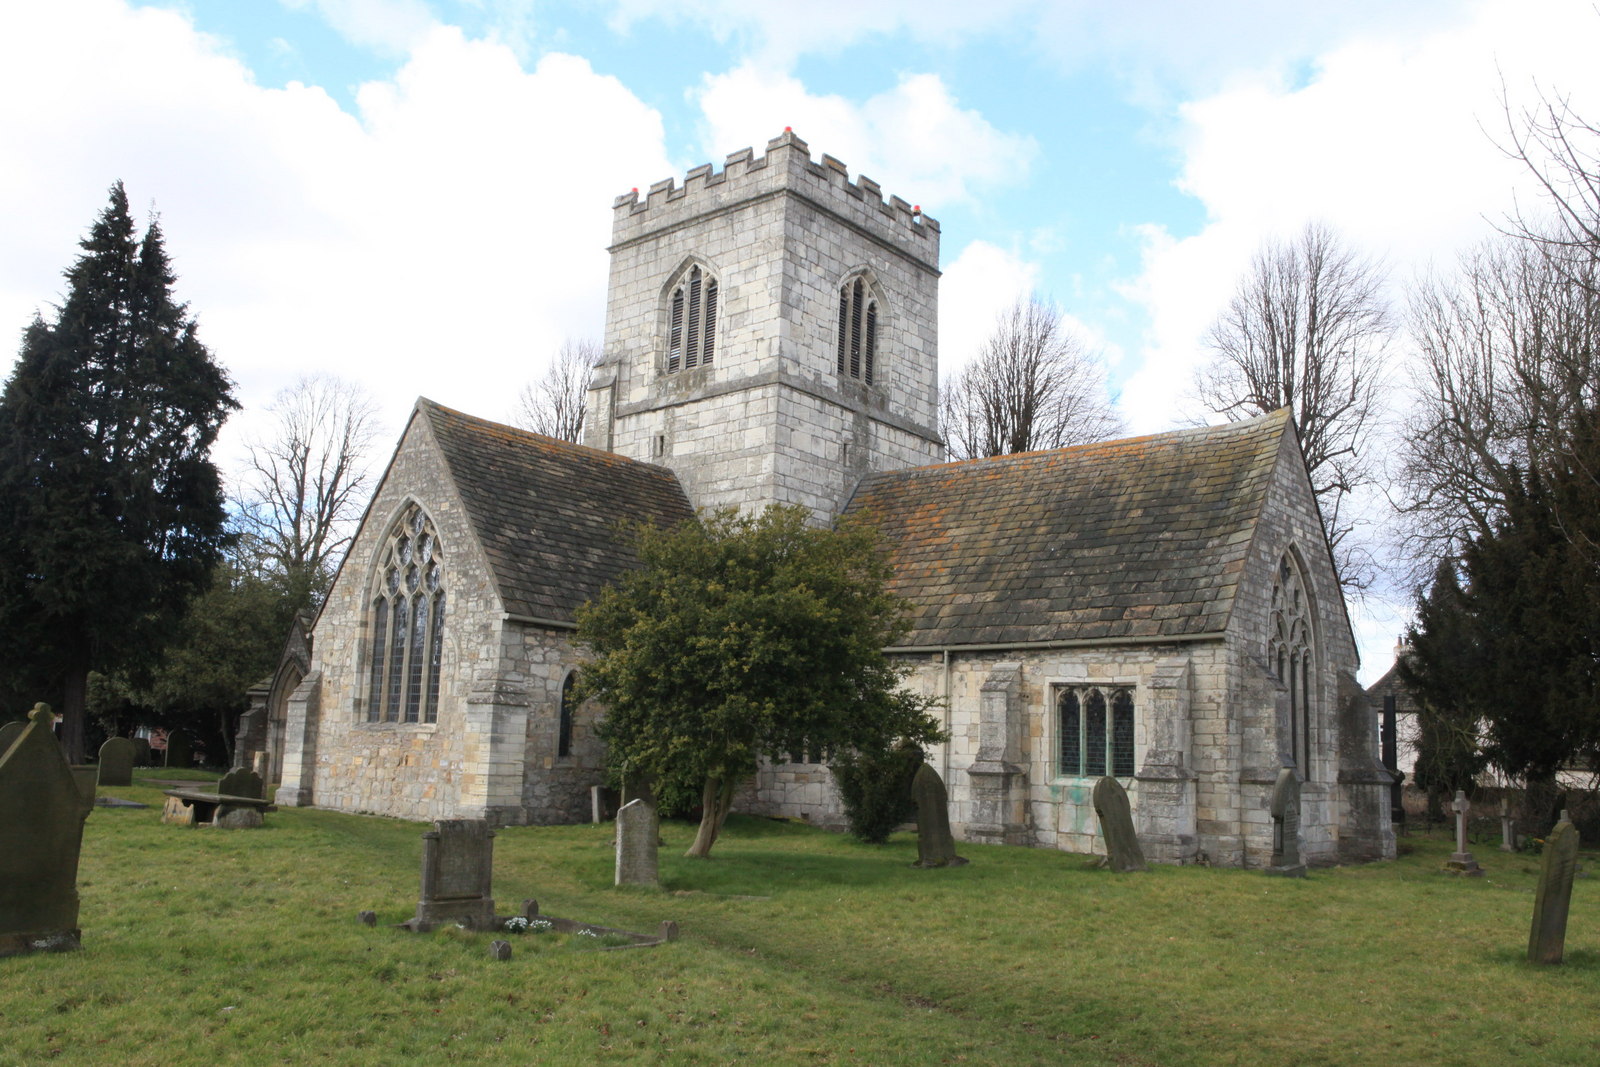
(111, 511)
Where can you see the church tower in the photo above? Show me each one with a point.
(771, 332)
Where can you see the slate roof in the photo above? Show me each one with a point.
(547, 512)
(1138, 538)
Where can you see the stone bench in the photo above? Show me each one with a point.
(187, 807)
(230, 810)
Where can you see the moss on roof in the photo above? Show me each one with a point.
(547, 512)
(1138, 538)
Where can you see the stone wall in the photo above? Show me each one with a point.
(410, 770)
(1210, 728)
(771, 420)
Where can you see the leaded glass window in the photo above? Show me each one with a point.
(407, 637)
(1290, 652)
(692, 321)
(1094, 732)
(858, 331)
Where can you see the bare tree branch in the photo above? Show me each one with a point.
(554, 405)
(304, 488)
(1509, 361)
(1034, 386)
(1307, 330)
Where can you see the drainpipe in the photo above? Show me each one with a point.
(951, 740)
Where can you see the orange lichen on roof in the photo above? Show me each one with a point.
(1139, 537)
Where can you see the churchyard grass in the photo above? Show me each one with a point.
(215, 947)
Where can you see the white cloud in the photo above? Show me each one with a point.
(443, 241)
(775, 34)
(913, 136)
(1389, 143)
(980, 283)
(392, 27)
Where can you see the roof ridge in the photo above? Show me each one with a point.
(434, 408)
(1255, 423)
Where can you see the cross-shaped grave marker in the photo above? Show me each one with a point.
(1461, 861)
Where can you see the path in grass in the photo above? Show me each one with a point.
(210, 947)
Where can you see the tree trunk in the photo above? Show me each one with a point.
(228, 730)
(73, 711)
(715, 800)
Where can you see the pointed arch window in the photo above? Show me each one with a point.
(407, 616)
(1290, 653)
(692, 321)
(858, 331)
(1094, 732)
(564, 717)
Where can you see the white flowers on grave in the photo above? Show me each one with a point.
(517, 924)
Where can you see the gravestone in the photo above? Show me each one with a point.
(240, 782)
(457, 873)
(41, 832)
(499, 950)
(85, 777)
(178, 812)
(936, 845)
(636, 844)
(1508, 827)
(1285, 811)
(1123, 853)
(116, 761)
(180, 749)
(1461, 861)
(9, 734)
(1547, 938)
(141, 752)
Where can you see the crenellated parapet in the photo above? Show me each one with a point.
(785, 168)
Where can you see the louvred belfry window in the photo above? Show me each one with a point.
(858, 332)
(692, 322)
(407, 624)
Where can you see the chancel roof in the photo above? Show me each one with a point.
(1139, 538)
(548, 512)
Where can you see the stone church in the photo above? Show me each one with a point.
(1161, 609)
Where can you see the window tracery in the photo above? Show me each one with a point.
(1094, 732)
(1290, 653)
(407, 635)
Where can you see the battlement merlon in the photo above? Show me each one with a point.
(786, 167)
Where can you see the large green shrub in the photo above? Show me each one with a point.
(876, 789)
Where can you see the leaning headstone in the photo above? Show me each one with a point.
(1461, 861)
(936, 845)
(180, 749)
(1508, 827)
(457, 874)
(1285, 811)
(178, 812)
(637, 832)
(9, 734)
(141, 752)
(41, 832)
(499, 950)
(1547, 939)
(1123, 853)
(116, 761)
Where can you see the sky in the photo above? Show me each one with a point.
(415, 195)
